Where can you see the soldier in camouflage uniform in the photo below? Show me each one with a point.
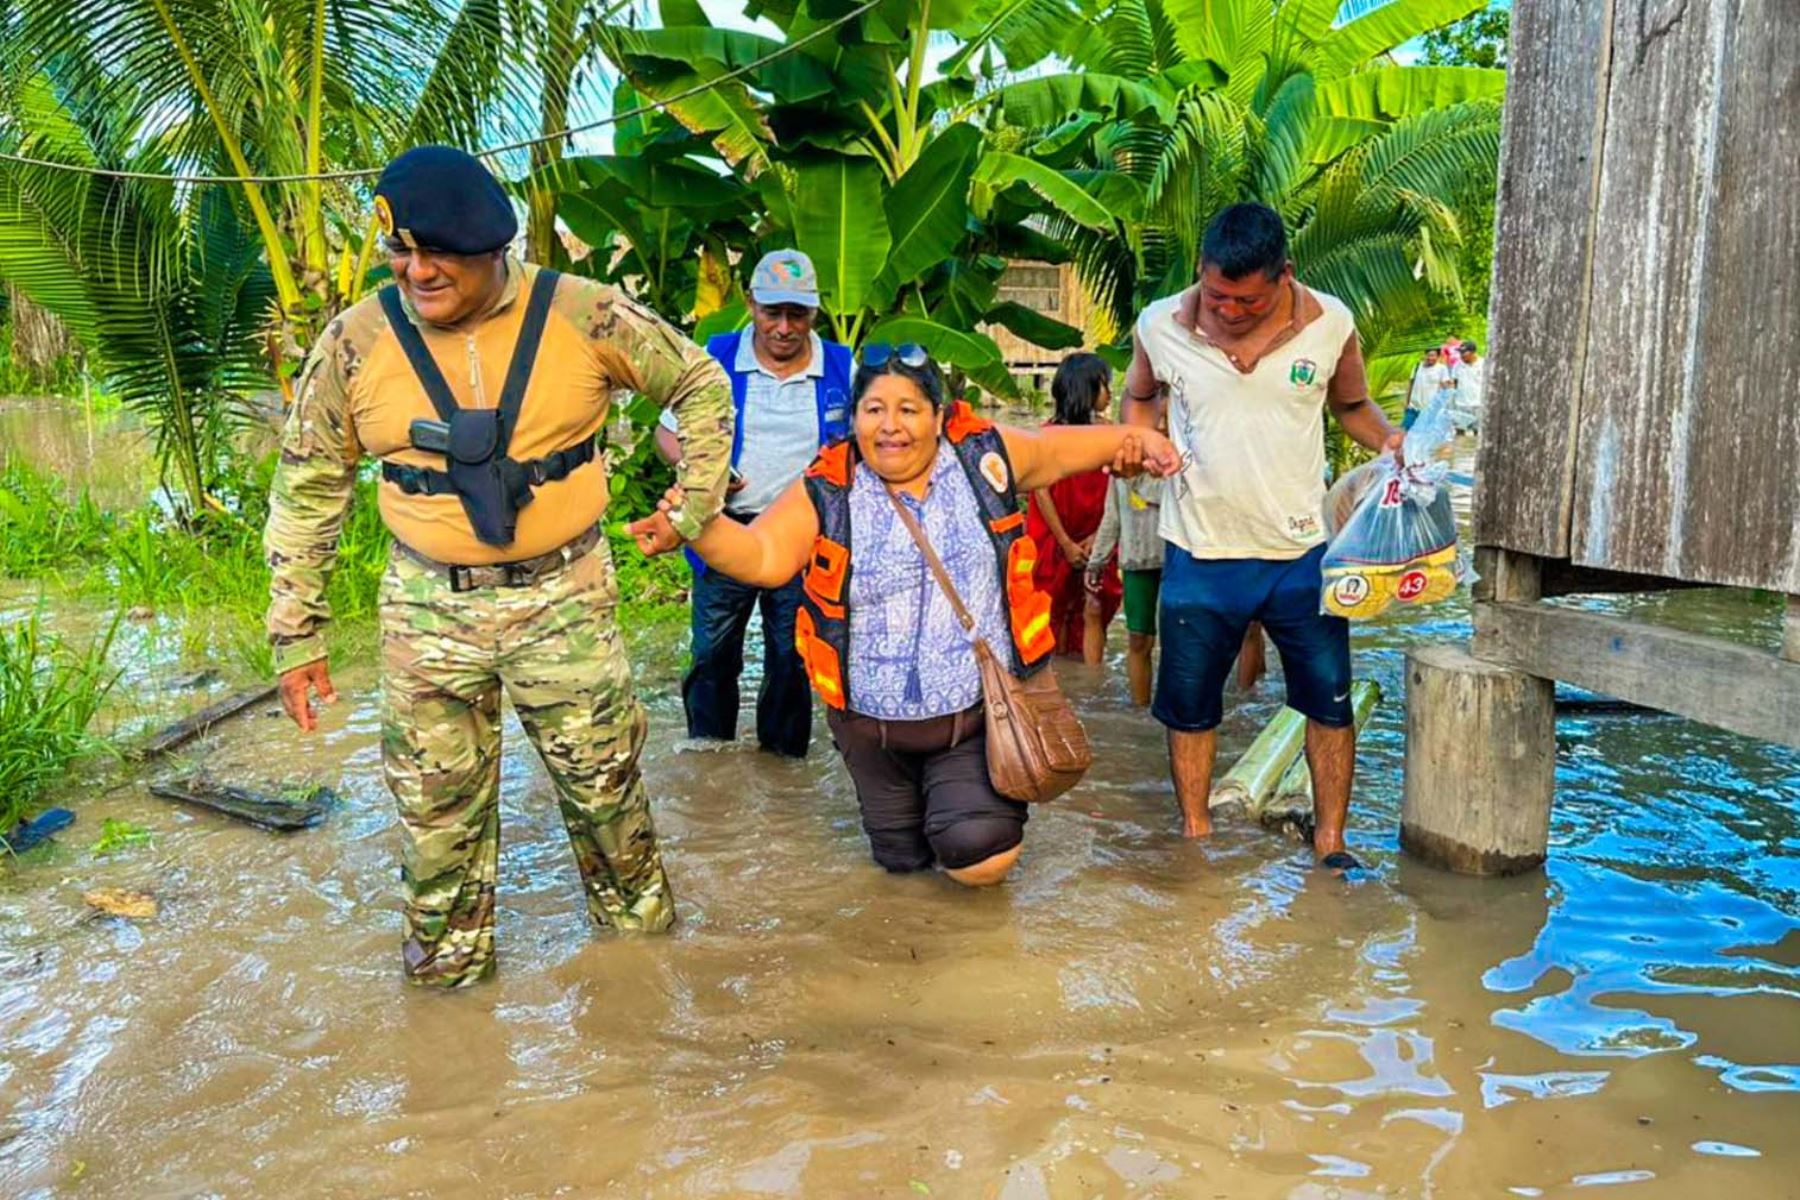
(462, 617)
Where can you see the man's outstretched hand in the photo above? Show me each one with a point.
(297, 688)
(655, 534)
(1145, 450)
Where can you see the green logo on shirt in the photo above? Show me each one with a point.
(1303, 372)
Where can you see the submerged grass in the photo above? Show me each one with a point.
(50, 692)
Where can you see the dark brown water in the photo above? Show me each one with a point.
(1131, 1015)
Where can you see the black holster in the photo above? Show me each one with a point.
(492, 487)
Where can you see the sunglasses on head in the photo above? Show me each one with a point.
(907, 354)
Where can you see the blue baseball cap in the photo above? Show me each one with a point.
(785, 277)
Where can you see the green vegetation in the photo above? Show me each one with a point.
(50, 692)
(117, 836)
(1478, 40)
(210, 570)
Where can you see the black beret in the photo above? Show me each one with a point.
(442, 198)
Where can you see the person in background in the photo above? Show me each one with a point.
(885, 650)
(790, 393)
(1133, 507)
(1242, 366)
(1428, 377)
(1064, 518)
(1470, 375)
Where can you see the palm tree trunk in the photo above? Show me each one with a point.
(556, 55)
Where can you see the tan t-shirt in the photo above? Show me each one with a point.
(1249, 428)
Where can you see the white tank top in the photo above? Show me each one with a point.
(1252, 483)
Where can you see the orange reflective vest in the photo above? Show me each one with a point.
(822, 627)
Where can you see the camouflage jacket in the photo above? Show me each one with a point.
(628, 348)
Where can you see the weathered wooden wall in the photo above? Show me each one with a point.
(1549, 161)
(1644, 398)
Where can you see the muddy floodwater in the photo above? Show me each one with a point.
(1130, 1015)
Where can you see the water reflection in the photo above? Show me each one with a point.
(1131, 1015)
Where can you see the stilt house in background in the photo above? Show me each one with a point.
(1047, 288)
(1642, 429)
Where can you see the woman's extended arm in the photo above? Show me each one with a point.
(1044, 456)
(766, 553)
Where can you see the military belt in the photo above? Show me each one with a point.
(523, 573)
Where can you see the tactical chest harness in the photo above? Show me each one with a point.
(492, 486)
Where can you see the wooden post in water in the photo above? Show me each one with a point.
(1480, 763)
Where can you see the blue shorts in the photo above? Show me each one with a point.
(1208, 604)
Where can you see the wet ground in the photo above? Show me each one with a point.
(1130, 1015)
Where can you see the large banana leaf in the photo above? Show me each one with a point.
(1360, 41)
(790, 78)
(841, 225)
(974, 354)
(655, 182)
(724, 111)
(1350, 110)
(1050, 99)
(928, 209)
(1391, 92)
(998, 171)
(1034, 326)
(1025, 31)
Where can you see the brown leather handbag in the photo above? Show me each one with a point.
(1036, 747)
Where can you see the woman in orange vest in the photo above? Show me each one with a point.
(882, 644)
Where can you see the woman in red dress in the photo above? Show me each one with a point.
(1063, 519)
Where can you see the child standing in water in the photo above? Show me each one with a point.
(1064, 518)
(1129, 525)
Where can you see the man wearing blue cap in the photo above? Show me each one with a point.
(480, 383)
(790, 391)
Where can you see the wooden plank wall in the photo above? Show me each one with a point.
(1689, 445)
(1549, 158)
(1644, 396)
(1048, 288)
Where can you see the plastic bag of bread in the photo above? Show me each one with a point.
(1392, 529)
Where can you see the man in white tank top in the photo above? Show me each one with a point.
(1246, 361)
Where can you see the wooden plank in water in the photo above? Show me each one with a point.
(1741, 688)
(1790, 631)
(1549, 158)
(1688, 430)
(191, 727)
(279, 811)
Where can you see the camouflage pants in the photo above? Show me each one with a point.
(555, 648)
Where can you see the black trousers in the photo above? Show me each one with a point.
(721, 615)
(924, 791)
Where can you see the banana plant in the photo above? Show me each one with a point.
(904, 191)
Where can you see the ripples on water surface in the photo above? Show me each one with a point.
(1131, 1015)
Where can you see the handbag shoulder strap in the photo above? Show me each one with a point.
(932, 560)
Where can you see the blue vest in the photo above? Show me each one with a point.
(831, 391)
(831, 397)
